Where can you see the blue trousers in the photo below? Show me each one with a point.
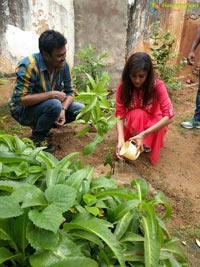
(197, 110)
(41, 117)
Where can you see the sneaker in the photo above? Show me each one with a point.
(147, 149)
(44, 143)
(191, 124)
(49, 135)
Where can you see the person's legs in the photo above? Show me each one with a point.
(41, 117)
(195, 121)
(73, 111)
(197, 110)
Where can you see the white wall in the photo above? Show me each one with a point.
(19, 41)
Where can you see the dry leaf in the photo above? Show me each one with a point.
(198, 242)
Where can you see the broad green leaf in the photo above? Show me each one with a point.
(88, 107)
(123, 225)
(81, 234)
(9, 208)
(120, 210)
(103, 182)
(44, 260)
(88, 149)
(62, 196)
(49, 218)
(172, 247)
(20, 146)
(142, 188)
(29, 195)
(8, 140)
(131, 237)
(95, 226)
(6, 255)
(104, 103)
(9, 185)
(75, 180)
(89, 199)
(92, 81)
(14, 230)
(10, 157)
(41, 239)
(122, 192)
(152, 235)
(93, 210)
(63, 253)
(50, 163)
(160, 198)
(83, 131)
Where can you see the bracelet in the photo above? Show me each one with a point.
(64, 109)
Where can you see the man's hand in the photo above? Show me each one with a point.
(191, 58)
(61, 119)
(59, 95)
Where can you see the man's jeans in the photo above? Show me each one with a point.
(41, 118)
(197, 110)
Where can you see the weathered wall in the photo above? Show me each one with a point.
(142, 15)
(22, 21)
(118, 26)
(103, 24)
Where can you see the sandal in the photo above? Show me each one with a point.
(147, 149)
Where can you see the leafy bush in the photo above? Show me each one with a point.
(163, 57)
(98, 111)
(89, 62)
(54, 214)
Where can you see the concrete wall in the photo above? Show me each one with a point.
(119, 27)
(21, 23)
(103, 24)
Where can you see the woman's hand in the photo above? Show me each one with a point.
(138, 140)
(118, 148)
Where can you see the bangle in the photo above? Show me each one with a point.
(64, 109)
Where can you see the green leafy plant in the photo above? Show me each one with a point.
(164, 58)
(89, 62)
(53, 214)
(97, 113)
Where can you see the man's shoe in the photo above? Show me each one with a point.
(43, 143)
(191, 124)
(49, 135)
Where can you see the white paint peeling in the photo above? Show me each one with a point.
(57, 15)
(42, 15)
(131, 2)
(21, 43)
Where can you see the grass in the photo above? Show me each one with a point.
(188, 235)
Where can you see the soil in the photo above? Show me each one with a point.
(177, 173)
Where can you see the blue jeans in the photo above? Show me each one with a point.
(197, 110)
(41, 117)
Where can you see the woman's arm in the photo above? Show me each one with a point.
(120, 136)
(139, 139)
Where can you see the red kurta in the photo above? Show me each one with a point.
(139, 118)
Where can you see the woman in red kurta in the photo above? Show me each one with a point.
(143, 106)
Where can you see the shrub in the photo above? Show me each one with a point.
(164, 58)
(91, 63)
(53, 213)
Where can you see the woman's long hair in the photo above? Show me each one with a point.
(137, 62)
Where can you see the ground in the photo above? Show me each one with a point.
(176, 174)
